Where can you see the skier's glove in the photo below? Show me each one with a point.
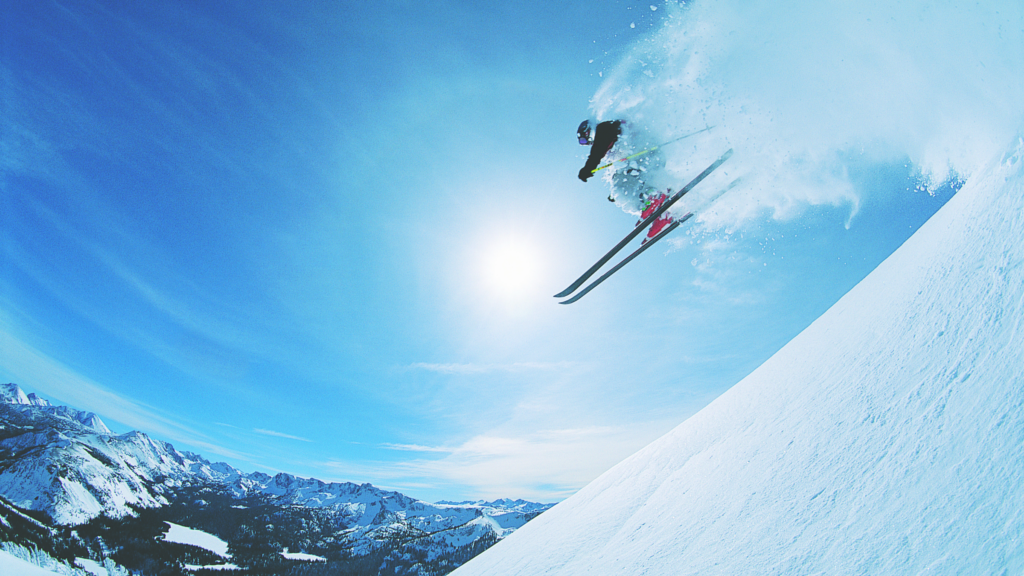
(584, 174)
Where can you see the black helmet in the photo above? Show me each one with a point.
(584, 133)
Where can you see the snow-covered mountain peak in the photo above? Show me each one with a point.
(11, 393)
(93, 421)
(68, 464)
(37, 401)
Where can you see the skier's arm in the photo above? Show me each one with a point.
(605, 136)
(596, 154)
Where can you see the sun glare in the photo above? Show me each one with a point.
(511, 269)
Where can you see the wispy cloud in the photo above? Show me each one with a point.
(471, 368)
(416, 448)
(222, 329)
(280, 435)
(36, 370)
(544, 465)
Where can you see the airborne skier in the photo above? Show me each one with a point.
(628, 182)
(654, 213)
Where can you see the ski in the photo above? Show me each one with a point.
(643, 225)
(647, 245)
(627, 259)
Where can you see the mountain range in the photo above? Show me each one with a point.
(68, 465)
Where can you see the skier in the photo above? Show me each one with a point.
(653, 203)
(628, 182)
(605, 136)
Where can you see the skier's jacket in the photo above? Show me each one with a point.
(605, 136)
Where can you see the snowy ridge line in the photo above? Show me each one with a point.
(11, 393)
(441, 531)
(10, 509)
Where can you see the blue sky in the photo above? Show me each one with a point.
(268, 233)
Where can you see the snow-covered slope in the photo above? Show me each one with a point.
(10, 564)
(68, 464)
(887, 438)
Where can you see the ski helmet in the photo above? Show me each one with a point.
(583, 132)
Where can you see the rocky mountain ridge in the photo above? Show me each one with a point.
(69, 465)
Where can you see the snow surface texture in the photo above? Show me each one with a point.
(802, 89)
(92, 567)
(17, 560)
(302, 556)
(12, 565)
(887, 438)
(198, 538)
(206, 541)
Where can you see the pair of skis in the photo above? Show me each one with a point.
(634, 233)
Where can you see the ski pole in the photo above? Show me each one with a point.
(651, 149)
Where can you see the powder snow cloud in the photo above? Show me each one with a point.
(800, 93)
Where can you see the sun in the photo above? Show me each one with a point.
(511, 268)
